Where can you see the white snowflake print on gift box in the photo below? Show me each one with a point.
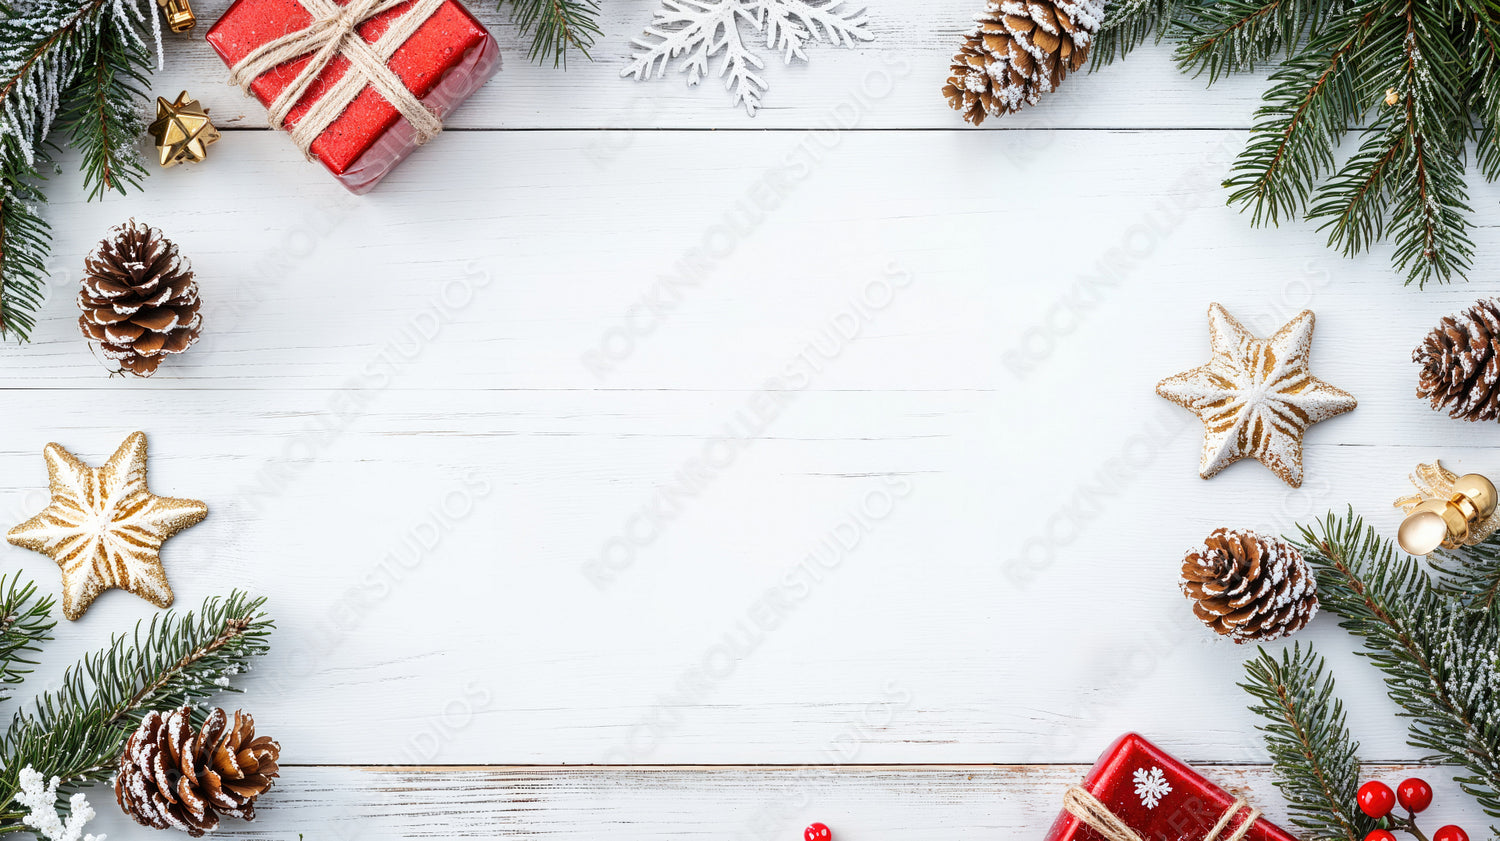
(702, 29)
(1151, 786)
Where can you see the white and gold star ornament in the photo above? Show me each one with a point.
(104, 528)
(182, 131)
(1256, 396)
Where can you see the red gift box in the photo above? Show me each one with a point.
(444, 61)
(1160, 799)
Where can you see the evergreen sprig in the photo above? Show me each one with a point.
(556, 26)
(1470, 574)
(76, 732)
(82, 66)
(1422, 77)
(1439, 654)
(25, 623)
(1317, 770)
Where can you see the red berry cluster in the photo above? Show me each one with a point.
(1377, 800)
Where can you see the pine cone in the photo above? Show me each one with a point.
(1460, 362)
(1248, 587)
(139, 300)
(1020, 50)
(172, 777)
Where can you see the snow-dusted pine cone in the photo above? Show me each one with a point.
(1249, 587)
(172, 777)
(1460, 362)
(1019, 50)
(139, 299)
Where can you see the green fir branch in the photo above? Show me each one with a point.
(1420, 78)
(25, 623)
(84, 60)
(556, 26)
(1128, 24)
(1470, 575)
(1316, 768)
(1309, 107)
(76, 732)
(1237, 35)
(25, 239)
(101, 115)
(1440, 657)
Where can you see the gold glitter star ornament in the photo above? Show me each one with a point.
(1256, 396)
(182, 131)
(104, 528)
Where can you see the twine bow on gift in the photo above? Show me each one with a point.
(1086, 807)
(333, 33)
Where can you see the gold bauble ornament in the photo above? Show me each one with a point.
(104, 528)
(1447, 510)
(182, 131)
(1256, 396)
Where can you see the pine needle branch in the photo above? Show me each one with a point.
(1237, 35)
(76, 732)
(1310, 105)
(1440, 658)
(556, 26)
(1128, 24)
(25, 623)
(49, 49)
(1470, 575)
(1420, 77)
(101, 117)
(1316, 767)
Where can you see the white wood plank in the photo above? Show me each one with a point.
(891, 82)
(1021, 593)
(510, 261)
(965, 803)
(534, 566)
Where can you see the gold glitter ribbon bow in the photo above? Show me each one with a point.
(1086, 807)
(332, 33)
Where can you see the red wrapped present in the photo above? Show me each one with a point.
(1138, 792)
(358, 84)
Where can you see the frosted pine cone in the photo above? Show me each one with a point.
(1019, 50)
(139, 299)
(1248, 587)
(174, 778)
(1460, 362)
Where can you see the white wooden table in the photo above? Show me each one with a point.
(874, 519)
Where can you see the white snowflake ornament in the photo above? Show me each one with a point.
(1151, 786)
(694, 31)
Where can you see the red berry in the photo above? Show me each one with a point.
(1376, 799)
(1380, 835)
(1414, 794)
(819, 832)
(1450, 833)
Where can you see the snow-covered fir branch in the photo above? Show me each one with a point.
(79, 66)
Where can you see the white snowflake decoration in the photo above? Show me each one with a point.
(1151, 786)
(39, 797)
(702, 29)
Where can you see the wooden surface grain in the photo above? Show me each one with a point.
(604, 471)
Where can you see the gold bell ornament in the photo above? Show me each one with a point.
(1447, 510)
(179, 14)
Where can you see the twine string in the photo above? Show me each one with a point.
(332, 33)
(1084, 806)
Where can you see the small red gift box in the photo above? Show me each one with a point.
(442, 63)
(1160, 799)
